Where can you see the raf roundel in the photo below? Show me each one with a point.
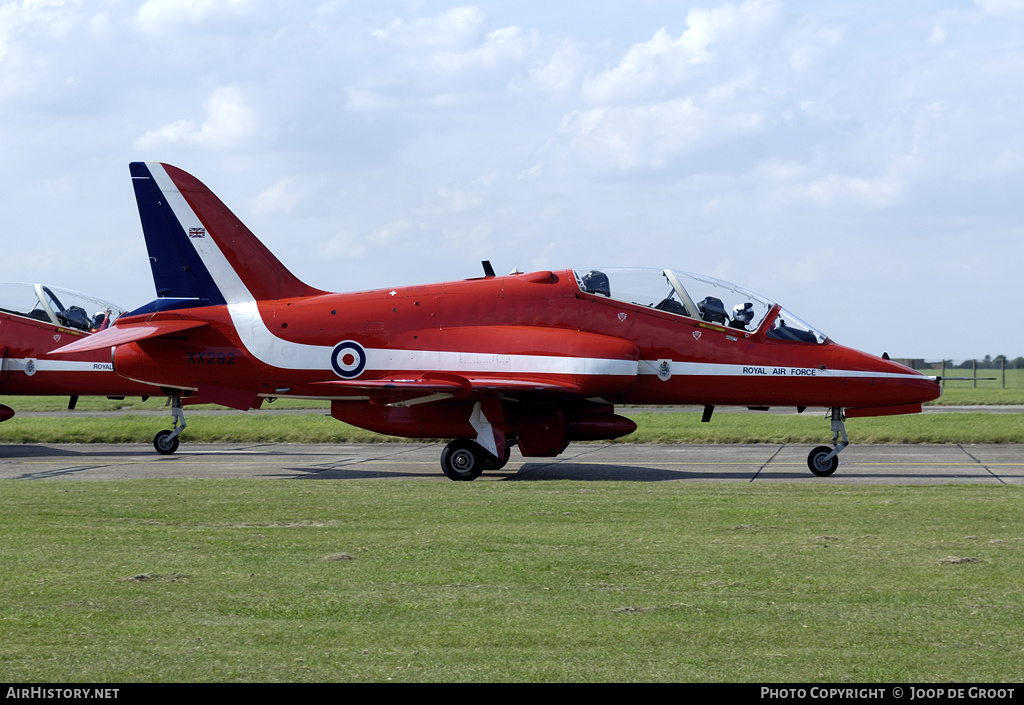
(348, 359)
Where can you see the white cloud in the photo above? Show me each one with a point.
(650, 136)
(836, 188)
(365, 100)
(158, 16)
(230, 121)
(534, 172)
(276, 198)
(450, 201)
(344, 246)
(49, 16)
(1000, 7)
(455, 29)
(559, 73)
(666, 61)
(502, 46)
(398, 233)
(454, 53)
(810, 42)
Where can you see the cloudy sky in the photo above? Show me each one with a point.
(860, 163)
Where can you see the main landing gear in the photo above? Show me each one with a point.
(166, 442)
(463, 460)
(823, 460)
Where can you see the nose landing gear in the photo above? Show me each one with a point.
(823, 460)
(166, 442)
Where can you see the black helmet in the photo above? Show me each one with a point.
(712, 310)
(595, 282)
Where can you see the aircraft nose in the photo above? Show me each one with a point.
(871, 381)
(924, 388)
(908, 385)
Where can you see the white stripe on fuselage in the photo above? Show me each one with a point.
(272, 350)
(761, 370)
(15, 364)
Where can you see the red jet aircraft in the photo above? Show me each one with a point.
(35, 319)
(535, 360)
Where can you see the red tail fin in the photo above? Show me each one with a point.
(181, 219)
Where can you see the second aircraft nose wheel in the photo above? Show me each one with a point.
(165, 442)
(819, 462)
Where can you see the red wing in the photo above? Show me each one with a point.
(396, 390)
(131, 333)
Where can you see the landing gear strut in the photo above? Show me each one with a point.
(166, 442)
(823, 460)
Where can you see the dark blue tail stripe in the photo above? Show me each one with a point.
(178, 272)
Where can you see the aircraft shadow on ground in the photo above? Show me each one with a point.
(539, 472)
(354, 472)
(35, 450)
(527, 473)
(609, 472)
(13, 451)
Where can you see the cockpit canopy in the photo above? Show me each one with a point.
(61, 307)
(696, 296)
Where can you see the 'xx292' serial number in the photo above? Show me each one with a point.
(211, 358)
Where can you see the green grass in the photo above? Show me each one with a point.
(974, 427)
(49, 403)
(258, 580)
(987, 379)
(652, 428)
(249, 428)
(954, 394)
(966, 396)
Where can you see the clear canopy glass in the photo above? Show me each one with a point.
(695, 296)
(61, 307)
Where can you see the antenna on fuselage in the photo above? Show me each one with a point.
(488, 269)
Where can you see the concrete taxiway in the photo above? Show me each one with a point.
(860, 464)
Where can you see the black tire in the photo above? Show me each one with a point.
(493, 462)
(817, 463)
(164, 444)
(462, 460)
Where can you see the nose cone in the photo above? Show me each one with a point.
(868, 381)
(913, 386)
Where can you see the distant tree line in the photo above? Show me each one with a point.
(990, 363)
(987, 363)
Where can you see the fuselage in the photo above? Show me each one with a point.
(539, 327)
(529, 360)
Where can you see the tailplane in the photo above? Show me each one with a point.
(198, 249)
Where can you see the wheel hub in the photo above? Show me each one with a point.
(463, 461)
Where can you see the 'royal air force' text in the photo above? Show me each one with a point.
(782, 371)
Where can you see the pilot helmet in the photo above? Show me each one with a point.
(712, 309)
(595, 282)
(744, 313)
